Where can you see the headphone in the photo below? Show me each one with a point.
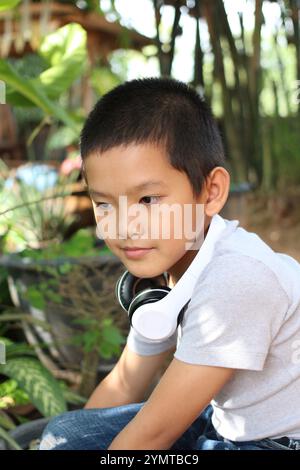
(154, 309)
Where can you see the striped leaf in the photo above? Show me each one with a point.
(42, 388)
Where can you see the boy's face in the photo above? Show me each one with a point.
(117, 172)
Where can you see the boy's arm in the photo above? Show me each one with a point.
(129, 380)
(180, 396)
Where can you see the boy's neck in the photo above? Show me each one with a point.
(182, 264)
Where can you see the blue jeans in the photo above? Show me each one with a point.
(95, 429)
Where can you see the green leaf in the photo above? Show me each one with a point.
(35, 94)
(16, 99)
(111, 340)
(103, 80)
(71, 396)
(9, 439)
(10, 388)
(65, 50)
(42, 388)
(111, 334)
(53, 297)
(19, 349)
(8, 4)
(6, 341)
(65, 268)
(6, 421)
(62, 138)
(35, 297)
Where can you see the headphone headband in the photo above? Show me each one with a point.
(156, 321)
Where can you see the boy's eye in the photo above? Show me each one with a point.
(104, 205)
(149, 197)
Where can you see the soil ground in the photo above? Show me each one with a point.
(275, 218)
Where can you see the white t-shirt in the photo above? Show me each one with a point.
(244, 313)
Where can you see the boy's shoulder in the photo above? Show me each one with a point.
(240, 301)
(236, 308)
(243, 256)
(239, 275)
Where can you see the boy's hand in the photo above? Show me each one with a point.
(180, 396)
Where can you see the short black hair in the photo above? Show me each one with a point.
(162, 111)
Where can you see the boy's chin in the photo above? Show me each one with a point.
(144, 271)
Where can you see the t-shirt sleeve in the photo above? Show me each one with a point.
(236, 309)
(141, 345)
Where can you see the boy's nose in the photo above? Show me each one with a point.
(132, 226)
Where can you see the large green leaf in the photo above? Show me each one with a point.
(14, 98)
(9, 389)
(5, 435)
(6, 421)
(65, 51)
(8, 4)
(103, 79)
(42, 388)
(35, 94)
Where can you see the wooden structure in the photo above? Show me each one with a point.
(21, 31)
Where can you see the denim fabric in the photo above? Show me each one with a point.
(95, 429)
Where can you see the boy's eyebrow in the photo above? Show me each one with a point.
(139, 187)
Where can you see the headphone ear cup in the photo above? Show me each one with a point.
(124, 289)
(147, 296)
(129, 285)
(154, 295)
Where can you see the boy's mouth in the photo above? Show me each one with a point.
(136, 252)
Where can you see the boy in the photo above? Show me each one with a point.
(234, 379)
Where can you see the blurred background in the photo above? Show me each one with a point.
(60, 325)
